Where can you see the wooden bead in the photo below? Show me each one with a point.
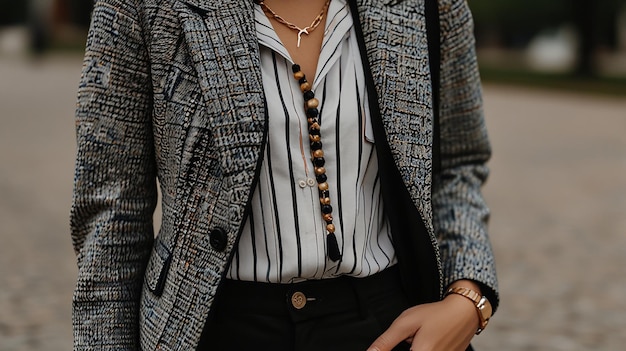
(317, 145)
(305, 86)
(298, 75)
(315, 126)
(320, 170)
(325, 201)
(315, 138)
(323, 186)
(328, 218)
(318, 153)
(319, 162)
(330, 228)
(312, 112)
(313, 103)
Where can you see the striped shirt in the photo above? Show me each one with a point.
(284, 237)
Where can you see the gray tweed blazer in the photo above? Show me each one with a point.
(171, 90)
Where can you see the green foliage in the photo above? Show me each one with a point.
(519, 20)
(531, 14)
(610, 86)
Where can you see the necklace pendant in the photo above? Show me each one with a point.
(302, 31)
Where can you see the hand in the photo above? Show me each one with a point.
(447, 325)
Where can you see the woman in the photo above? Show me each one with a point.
(293, 145)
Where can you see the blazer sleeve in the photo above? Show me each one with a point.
(114, 193)
(460, 214)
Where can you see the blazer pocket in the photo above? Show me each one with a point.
(158, 267)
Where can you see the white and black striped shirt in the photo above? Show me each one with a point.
(283, 240)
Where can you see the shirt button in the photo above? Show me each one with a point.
(302, 183)
(311, 182)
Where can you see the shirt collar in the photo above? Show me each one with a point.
(338, 25)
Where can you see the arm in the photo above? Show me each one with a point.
(114, 186)
(459, 212)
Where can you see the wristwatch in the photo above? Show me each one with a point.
(483, 306)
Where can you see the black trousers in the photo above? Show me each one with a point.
(342, 314)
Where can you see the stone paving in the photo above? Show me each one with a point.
(557, 191)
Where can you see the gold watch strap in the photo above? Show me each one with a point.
(483, 307)
(469, 293)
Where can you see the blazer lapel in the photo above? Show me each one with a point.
(221, 37)
(397, 48)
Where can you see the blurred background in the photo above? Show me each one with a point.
(554, 77)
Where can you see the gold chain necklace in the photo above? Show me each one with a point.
(306, 30)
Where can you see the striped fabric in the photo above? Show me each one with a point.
(284, 237)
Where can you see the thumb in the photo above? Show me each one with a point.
(394, 335)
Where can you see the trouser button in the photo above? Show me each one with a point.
(298, 300)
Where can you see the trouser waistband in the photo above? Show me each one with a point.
(308, 299)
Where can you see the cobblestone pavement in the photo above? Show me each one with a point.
(558, 194)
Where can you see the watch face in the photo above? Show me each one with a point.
(484, 313)
(485, 309)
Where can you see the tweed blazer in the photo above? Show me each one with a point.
(171, 91)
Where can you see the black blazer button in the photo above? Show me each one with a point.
(218, 239)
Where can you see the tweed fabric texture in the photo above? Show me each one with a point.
(171, 89)
(461, 213)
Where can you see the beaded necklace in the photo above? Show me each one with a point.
(317, 157)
